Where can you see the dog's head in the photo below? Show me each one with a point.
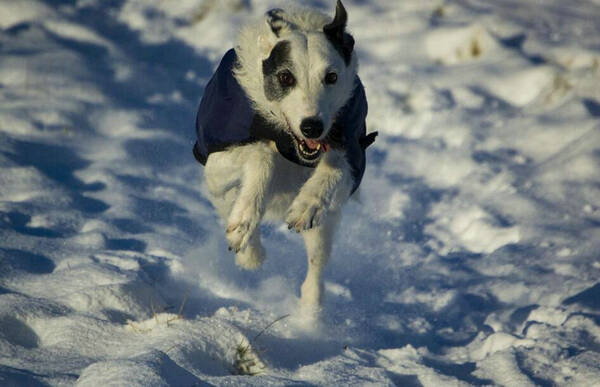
(308, 75)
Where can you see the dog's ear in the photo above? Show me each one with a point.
(337, 35)
(275, 21)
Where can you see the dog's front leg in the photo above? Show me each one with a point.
(316, 211)
(326, 190)
(248, 208)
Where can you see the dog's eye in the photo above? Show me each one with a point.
(330, 78)
(286, 79)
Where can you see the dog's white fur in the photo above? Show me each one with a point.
(253, 182)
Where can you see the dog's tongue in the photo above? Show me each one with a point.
(312, 144)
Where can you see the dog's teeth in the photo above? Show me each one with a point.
(306, 150)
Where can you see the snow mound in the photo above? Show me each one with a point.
(524, 87)
(150, 369)
(452, 46)
(16, 11)
(472, 229)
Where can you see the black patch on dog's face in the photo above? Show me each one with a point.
(279, 60)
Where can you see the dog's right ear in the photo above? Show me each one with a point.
(276, 24)
(275, 21)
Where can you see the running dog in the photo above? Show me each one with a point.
(282, 134)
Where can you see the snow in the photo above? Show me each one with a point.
(470, 259)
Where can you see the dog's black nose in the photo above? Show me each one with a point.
(311, 127)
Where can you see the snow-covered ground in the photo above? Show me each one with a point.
(472, 259)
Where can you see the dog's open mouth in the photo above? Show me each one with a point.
(310, 150)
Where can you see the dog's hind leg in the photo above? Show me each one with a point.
(318, 241)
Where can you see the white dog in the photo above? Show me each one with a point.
(281, 131)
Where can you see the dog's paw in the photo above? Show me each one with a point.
(241, 226)
(305, 214)
(252, 257)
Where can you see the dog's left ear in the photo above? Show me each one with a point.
(337, 35)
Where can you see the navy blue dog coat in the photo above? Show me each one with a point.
(225, 117)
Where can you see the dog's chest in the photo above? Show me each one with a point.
(225, 170)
